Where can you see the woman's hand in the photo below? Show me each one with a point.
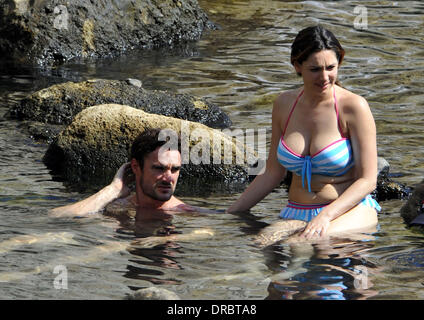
(120, 180)
(318, 226)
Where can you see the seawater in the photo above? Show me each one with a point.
(241, 67)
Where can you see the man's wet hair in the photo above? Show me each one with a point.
(147, 142)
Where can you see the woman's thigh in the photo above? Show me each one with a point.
(352, 225)
(361, 218)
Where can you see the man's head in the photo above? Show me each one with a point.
(155, 165)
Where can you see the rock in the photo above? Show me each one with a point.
(383, 167)
(50, 31)
(153, 293)
(41, 131)
(412, 208)
(59, 103)
(387, 188)
(134, 82)
(97, 142)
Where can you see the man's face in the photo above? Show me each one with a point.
(159, 175)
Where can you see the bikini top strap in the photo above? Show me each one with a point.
(335, 106)
(337, 113)
(291, 111)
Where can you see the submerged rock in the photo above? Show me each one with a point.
(413, 207)
(48, 31)
(411, 259)
(60, 103)
(98, 141)
(153, 293)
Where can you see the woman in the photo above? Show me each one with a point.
(326, 136)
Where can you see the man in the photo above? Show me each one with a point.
(156, 170)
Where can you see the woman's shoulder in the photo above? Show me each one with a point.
(283, 104)
(286, 99)
(349, 102)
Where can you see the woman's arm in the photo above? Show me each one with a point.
(362, 131)
(149, 242)
(116, 189)
(274, 173)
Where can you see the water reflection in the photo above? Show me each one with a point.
(152, 263)
(329, 270)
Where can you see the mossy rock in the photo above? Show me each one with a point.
(60, 103)
(97, 142)
(46, 32)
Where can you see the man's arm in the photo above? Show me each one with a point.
(116, 189)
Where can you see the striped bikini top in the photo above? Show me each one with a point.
(334, 160)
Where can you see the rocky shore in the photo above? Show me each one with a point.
(46, 32)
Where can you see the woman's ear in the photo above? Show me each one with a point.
(297, 68)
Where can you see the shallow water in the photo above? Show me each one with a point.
(241, 68)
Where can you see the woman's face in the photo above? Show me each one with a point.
(319, 71)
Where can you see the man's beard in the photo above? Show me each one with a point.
(151, 191)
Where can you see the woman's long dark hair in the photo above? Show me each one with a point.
(314, 39)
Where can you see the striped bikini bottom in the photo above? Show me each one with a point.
(306, 212)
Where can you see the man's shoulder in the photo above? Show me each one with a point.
(121, 206)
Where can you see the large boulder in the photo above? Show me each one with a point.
(46, 31)
(58, 104)
(97, 142)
